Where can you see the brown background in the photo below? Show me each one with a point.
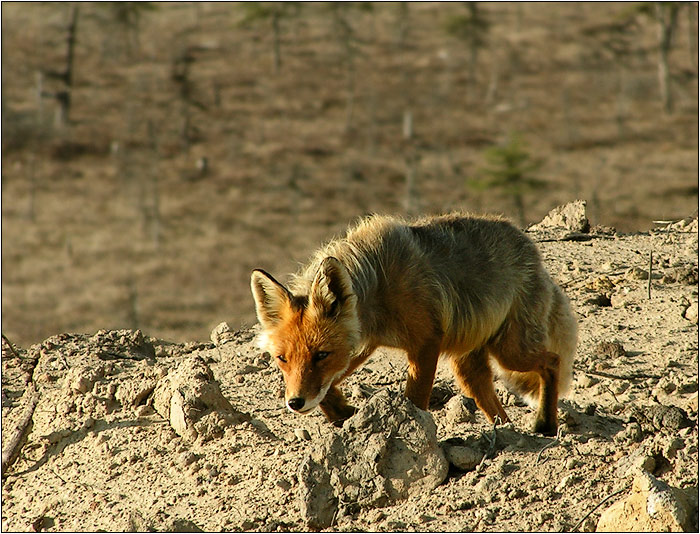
(108, 222)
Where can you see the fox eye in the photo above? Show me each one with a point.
(282, 358)
(321, 355)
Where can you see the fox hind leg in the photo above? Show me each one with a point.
(534, 374)
(474, 375)
(546, 420)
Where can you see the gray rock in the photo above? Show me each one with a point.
(564, 220)
(462, 457)
(653, 506)
(460, 409)
(387, 451)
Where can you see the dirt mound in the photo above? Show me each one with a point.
(387, 451)
(136, 433)
(190, 399)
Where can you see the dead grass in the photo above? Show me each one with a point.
(108, 222)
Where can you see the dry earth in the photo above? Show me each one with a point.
(132, 433)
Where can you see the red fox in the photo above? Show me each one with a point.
(471, 288)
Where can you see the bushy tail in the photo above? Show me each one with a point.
(562, 337)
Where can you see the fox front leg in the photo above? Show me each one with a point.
(422, 365)
(336, 407)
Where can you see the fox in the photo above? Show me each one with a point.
(469, 288)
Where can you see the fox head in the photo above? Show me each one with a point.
(311, 337)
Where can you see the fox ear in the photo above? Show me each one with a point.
(271, 297)
(331, 288)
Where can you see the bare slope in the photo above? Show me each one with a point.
(104, 452)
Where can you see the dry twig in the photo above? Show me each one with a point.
(492, 444)
(631, 376)
(573, 529)
(651, 255)
(14, 446)
(12, 349)
(552, 443)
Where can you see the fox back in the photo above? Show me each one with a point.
(471, 288)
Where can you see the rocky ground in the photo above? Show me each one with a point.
(131, 432)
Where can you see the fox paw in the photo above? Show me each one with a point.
(547, 428)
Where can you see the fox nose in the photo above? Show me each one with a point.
(296, 403)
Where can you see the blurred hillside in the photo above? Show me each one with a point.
(181, 145)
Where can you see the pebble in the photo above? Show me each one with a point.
(186, 458)
(586, 381)
(672, 446)
(691, 313)
(610, 349)
(375, 516)
(622, 300)
(572, 463)
(462, 457)
(459, 410)
(566, 482)
(221, 334)
(644, 462)
(633, 432)
(284, 484)
(636, 273)
(666, 385)
(302, 434)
